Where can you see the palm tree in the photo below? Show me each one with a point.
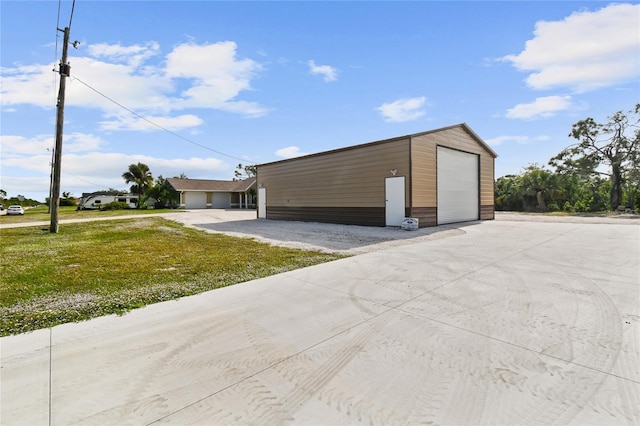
(163, 193)
(141, 177)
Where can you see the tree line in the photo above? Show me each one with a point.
(600, 172)
(145, 187)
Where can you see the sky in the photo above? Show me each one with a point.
(197, 87)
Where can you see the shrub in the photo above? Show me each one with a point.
(115, 206)
(67, 202)
(580, 207)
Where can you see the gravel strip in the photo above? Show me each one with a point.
(351, 239)
(323, 237)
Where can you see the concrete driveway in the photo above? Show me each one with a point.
(503, 322)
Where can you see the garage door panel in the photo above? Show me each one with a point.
(220, 200)
(458, 186)
(195, 200)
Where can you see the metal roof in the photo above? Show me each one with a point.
(464, 126)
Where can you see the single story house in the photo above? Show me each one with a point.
(215, 194)
(439, 176)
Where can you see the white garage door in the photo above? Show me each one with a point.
(220, 200)
(458, 188)
(195, 200)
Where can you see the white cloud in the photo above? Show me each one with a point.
(92, 171)
(520, 140)
(328, 72)
(30, 186)
(585, 51)
(403, 109)
(133, 55)
(151, 123)
(109, 166)
(290, 152)
(26, 164)
(216, 76)
(81, 142)
(15, 146)
(248, 109)
(28, 84)
(506, 138)
(200, 167)
(206, 76)
(542, 107)
(92, 81)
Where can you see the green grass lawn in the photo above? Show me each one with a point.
(98, 268)
(41, 214)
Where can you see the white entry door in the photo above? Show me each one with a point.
(262, 203)
(394, 197)
(458, 186)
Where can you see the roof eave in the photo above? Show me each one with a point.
(465, 126)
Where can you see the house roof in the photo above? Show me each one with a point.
(464, 126)
(211, 185)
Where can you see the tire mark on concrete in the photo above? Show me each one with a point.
(305, 389)
(148, 375)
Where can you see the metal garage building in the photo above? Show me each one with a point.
(440, 176)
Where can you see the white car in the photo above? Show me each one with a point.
(15, 210)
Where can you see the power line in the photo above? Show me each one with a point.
(55, 59)
(157, 125)
(73, 6)
(82, 179)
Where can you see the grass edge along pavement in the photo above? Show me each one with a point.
(93, 269)
(41, 214)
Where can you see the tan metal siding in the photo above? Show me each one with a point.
(346, 178)
(347, 185)
(424, 172)
(487, 180)
(424, 162)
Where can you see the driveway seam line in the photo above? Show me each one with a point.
(50, 372)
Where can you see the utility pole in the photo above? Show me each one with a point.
(65, 71)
